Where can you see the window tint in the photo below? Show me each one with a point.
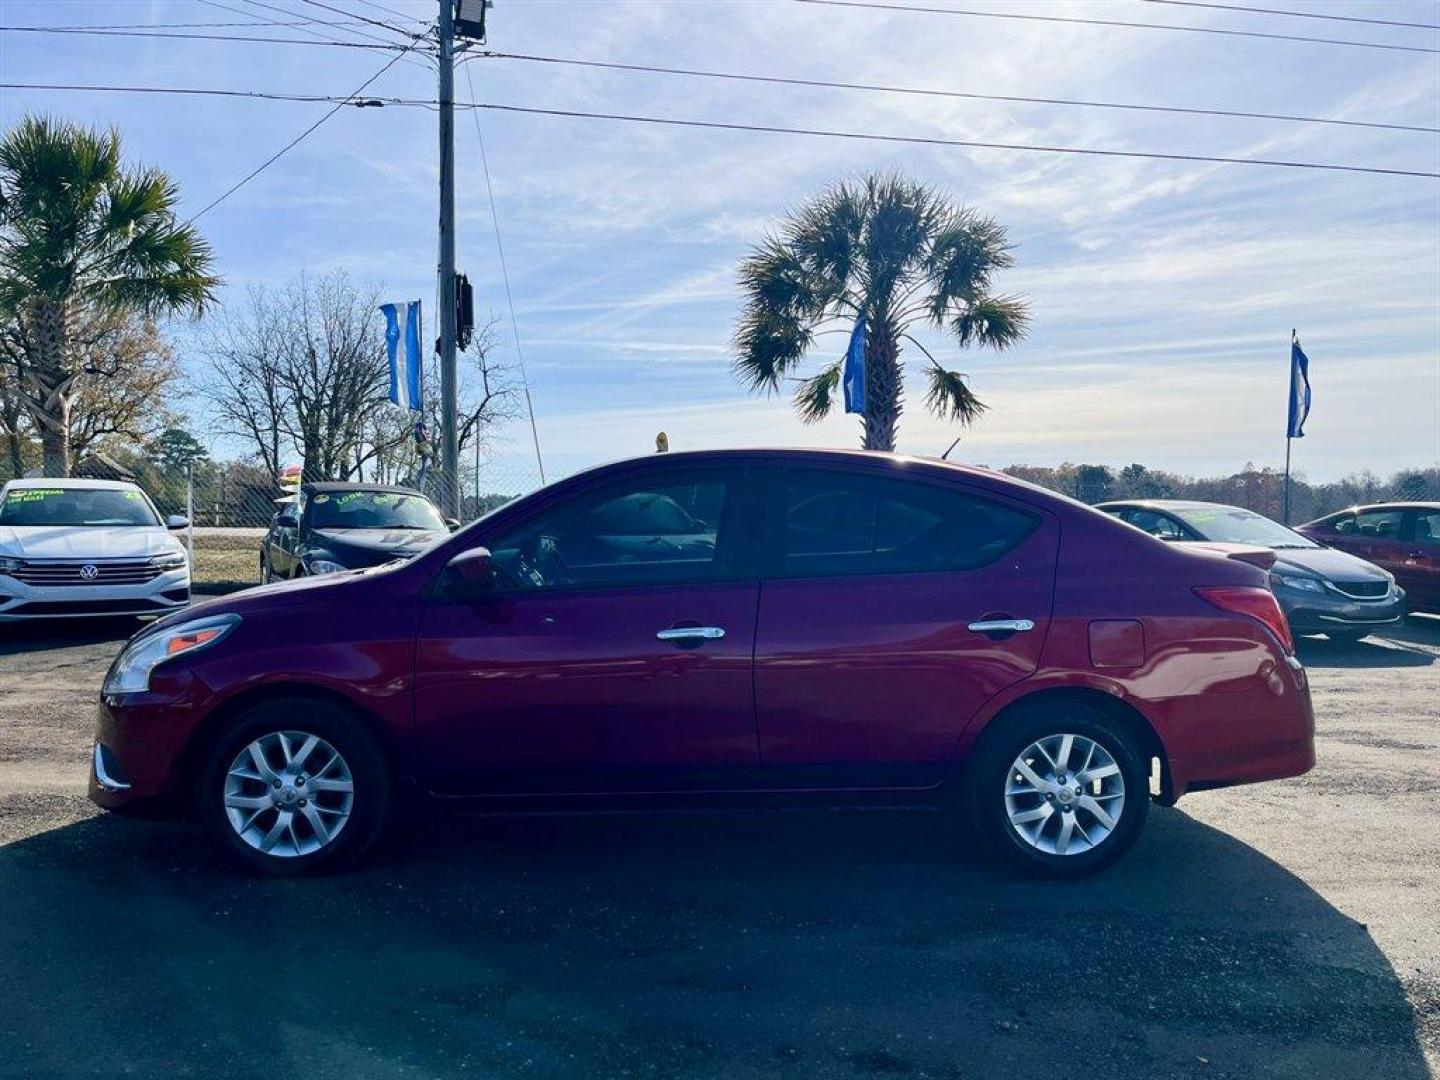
(835, 523)
(1427, 528)
(1379, 524)
(1156, 524)
(659, 530)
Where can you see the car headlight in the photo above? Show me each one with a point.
(1297, 581)
(323, 566)
(130, 673)
(9, 565)
(171, 560)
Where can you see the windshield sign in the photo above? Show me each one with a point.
(1231, 525)
(75, 506)
(373, 510)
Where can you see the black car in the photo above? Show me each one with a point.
(339, 526)
(1321, 590)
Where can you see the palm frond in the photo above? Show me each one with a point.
(996, 321)
(962, 261)
(951, 399)
(815, 396)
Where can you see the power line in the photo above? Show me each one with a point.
(259, 95)
(317, 22)
(786, 81)
(1129, 25)
(505, 275)
(351, 14)
(354, 99)
(1295, 14)
(204, 37)
(976, 144)
(253, 24)
(295, 141)
(389, 10)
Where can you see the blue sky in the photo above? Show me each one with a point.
(1163, 292)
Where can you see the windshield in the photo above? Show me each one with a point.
(1232, 525)
(372, 510)
(76, 506)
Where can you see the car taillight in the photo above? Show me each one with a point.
(1258, 604)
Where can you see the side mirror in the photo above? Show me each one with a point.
(286, 521)
(177, 521)
(452, 524)
(473, 570)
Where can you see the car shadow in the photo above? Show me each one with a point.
(17, 638)
(814, 944)
(1413, 644)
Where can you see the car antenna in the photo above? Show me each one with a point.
(946, 455)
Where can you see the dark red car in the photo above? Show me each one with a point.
(718, 626)
(1401, 537)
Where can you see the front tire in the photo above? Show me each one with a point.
(296, 786)
(1060, 791)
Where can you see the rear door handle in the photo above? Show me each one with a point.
(1001, 626)
(692, 634)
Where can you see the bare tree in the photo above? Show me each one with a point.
(303, 371)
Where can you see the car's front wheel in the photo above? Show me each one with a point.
(296, 786)
(1060, 791)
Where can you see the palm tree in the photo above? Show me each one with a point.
(78, 230)
(896, 253)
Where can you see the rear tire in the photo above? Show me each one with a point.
(1046, 784)
(295, 786)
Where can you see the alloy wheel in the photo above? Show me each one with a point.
(288, 793)
(1064, 794)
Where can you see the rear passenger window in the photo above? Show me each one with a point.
(1379, 524)
(835, 523)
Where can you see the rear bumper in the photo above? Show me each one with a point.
(1265, 731)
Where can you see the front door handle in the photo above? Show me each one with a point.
(1001, 626)
(692, 634)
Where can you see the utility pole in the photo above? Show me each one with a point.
(449, 421)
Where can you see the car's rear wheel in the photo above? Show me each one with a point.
(295, 786)
(266, 574)
(1060, 790)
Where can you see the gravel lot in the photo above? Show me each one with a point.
(1285, 930)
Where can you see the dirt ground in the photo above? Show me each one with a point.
(1282, 930)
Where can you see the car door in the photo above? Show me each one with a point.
(282, 547)
(1378, 538)
(1419, 572)
(891, 609)
(607, 657)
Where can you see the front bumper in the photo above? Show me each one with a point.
(163, 593)
(1315, 613)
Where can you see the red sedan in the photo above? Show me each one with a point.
(723, 626)
(1401, 537)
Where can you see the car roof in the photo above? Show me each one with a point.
(1418, 504)
(1168, 504)
(343, 485)
(70, 482)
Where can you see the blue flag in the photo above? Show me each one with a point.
(853, 379)
(402, 344)
(1299, 391)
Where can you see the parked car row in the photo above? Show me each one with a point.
(1321, 586)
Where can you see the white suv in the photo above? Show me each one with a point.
(72, 548)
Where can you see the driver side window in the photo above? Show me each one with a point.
(663, 529)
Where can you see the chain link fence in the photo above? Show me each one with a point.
(232, 506)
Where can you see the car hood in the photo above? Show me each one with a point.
(378, 541)
(85, 541)
(1328, 563)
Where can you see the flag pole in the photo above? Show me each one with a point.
(1289, 438)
